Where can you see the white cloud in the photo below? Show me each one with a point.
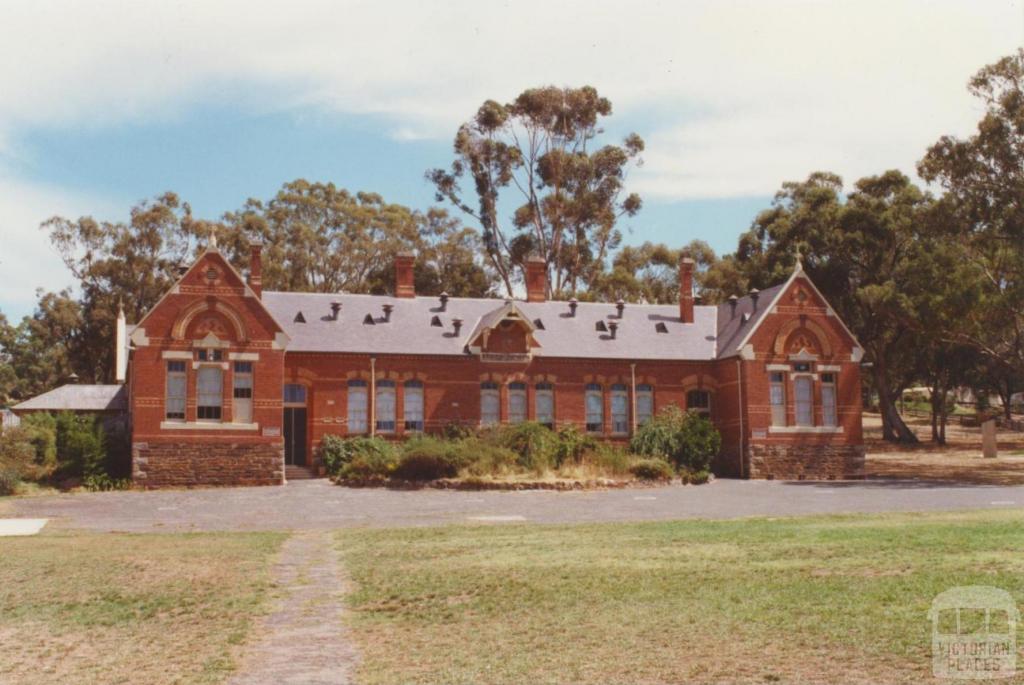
(783, 87)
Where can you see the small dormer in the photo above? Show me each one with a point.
(505, 334)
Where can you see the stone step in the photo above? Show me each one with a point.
(298, 473)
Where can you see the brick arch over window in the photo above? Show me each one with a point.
(699, 381)
(801, 332)
(220, 312)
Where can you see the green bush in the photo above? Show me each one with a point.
(481, 458)
(688, 440)
(572, 445)
(612, 459)
(42, 431)
(81, 449)
(104, 483)
(535, 444)
(652, 469)
(338, 453)
(696, 477)
(368, 457)
(456, 430)
(428, 458)
(17, 456)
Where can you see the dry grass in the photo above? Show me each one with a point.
(959, 460)
(827, 599)
(139, 609)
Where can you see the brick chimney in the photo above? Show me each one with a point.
(536, 279)
(256, 266)
(404, 285)
(686, 290)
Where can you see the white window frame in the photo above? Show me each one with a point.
(644, 403)
(619, 399)
(206, 396)
(777, 397)
(544, 404)
(517, 407)
(385, 407)
(242, 391)
(829, 399)
(490, 404)
(593, 407)
(803, 410)
(412, 406)
(177, 372)
(358, 409)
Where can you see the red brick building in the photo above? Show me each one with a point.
(229, 384)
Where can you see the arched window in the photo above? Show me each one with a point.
(385, 407)
(620, 408)
(644, 403)
(357, 413)
(544, 404)
(516, 402)
(490, 404)
(700, 402)
(594, 402)
(413, 405)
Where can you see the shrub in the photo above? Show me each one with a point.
(534, 443)
(609, 458)
(456, 430)
(688, 440)
(427, 458)
(368, 457)
(81, 449)
(337, 453)
(696, 477)
(572, 445)
(652, 469)
(481, 458)
(17, 455)
(104, 483)
(42, 431)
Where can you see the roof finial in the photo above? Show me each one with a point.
(120, 308)
(213, 239)
(799, 261)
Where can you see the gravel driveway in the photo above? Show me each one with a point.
(317, 504)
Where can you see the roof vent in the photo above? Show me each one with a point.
(613, 326)
(744, 319)
(368, 319)
(388, 308)
(620, 305)
(436, 321)
(444, 301)
(335, 308)
(732, 305)
(299, 318)
(538, 324)
(599, 326)
(457, 325)
(754, 293)
(661, 327)
(573, 303)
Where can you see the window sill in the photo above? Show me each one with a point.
(208, 426)
(787, 430)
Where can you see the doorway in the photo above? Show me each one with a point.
(295, 425)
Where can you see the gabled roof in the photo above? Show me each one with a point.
(87, 398)
(410, 329)
(491, 319)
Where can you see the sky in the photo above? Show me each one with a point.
(105, 104)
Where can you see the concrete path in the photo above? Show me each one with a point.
(303, 642)
(319, 505)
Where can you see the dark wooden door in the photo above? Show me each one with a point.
(295, 436)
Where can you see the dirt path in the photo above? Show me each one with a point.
(303, 640)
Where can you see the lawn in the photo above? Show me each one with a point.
(83, 609)
(826, 599)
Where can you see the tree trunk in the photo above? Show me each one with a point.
(936, 408)
(1007, 408)
(893, 427)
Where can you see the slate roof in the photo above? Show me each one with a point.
(73, 397)
(733, 328)
(559, 334)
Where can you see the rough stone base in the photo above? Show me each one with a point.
(805, 462)
(186, 464)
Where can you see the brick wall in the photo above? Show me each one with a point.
(194, 462)
(811, 462)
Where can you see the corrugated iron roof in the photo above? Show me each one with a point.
(97, 398)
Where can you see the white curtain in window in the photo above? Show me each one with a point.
(828, 403)
(357, 419)
(413, 406)
(644, 404)
(777, 396)
(804, 388)
(620, 409)
(209, 392)
(545, 405)
(594, 402)
(490, 406)
(516, 403)
(385, 407)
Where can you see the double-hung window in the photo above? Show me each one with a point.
(357, 412)
(385, 407)
(828, 399)
(644, 403)
(490, 404)
(620, 408)
(516, 402)
(699, 401)
(242, 393)
(593, 399)
(209, 393)
(177, 383)
(544, 404)
(777, 397)
(412, 405)
(803, 391)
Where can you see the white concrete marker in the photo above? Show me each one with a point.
(496, 518)
(12, 527)
(645, 498)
